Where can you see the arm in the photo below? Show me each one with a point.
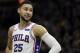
(9, 43)
(47, 38)
(51, 42)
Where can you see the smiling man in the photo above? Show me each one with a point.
(22, 36)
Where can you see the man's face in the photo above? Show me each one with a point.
(26, 11)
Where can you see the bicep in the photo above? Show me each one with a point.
(9, 41)
(39, 30)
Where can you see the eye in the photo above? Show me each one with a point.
(30, 9)
(25, 9)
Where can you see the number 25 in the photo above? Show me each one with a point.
(18, 47)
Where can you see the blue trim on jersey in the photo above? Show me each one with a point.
(37, 45)
(27, 29)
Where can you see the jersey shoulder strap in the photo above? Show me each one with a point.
(31, 25)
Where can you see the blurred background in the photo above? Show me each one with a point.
(60, 17)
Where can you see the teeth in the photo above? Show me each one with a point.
(27, 15)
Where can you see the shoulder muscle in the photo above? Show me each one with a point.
(39, 30)
(10, 30)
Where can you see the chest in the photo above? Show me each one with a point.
(22, 35)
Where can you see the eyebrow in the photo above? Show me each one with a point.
(27, 7)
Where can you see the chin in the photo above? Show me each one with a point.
(27, 19)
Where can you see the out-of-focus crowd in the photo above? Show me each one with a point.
(60, 17)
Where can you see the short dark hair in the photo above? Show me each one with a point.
(25, 2)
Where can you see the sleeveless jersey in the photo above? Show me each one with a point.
(23, 40)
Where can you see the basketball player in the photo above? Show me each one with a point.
(22, 36)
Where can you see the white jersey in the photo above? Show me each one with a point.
(23, 40)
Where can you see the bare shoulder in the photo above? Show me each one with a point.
(38, 30)
(11, 29)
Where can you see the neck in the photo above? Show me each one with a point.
(23, 23)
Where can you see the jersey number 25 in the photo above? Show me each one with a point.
(18, 47)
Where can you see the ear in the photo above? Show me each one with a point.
(18, 10)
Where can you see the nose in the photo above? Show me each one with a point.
(27, 11)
